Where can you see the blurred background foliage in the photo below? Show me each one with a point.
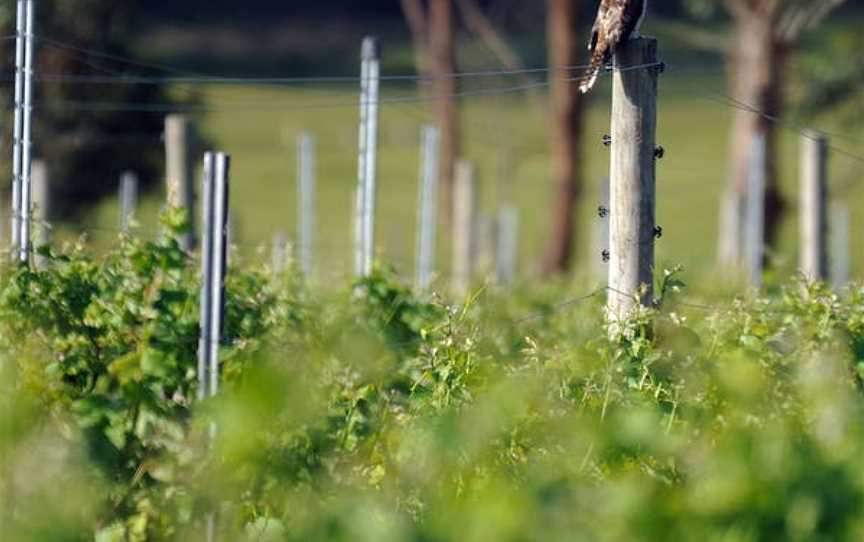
(88, 148)
(88, 144)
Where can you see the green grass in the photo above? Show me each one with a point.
(507, 138)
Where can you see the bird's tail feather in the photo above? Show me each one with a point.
(598, 58)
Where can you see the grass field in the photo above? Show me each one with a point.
(506, 136)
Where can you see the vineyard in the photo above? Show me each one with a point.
(369, 412)
(241, 299)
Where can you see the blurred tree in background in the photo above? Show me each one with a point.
(830, 80)
(765, 37)
(87, 144)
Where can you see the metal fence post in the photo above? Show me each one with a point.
(508, 244)
(427, 222)
(306, 165)
(632, 178)
(279, 252)
(128, 199)
(213, 267)
(367, 163)
(221, 173)
(18, 128)
(840, 262)
(486, 245)
(179, 171)
(755, 234)
(27, 136)
(207, 221)
(813, 211)
(41, 207)
(464, 227)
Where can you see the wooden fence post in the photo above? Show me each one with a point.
(632, 178)
(754, 236)
(840, 245)
(179, 133)
(813, 210)
(464, 226)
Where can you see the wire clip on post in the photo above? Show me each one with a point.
(659, 152)
(607, 140)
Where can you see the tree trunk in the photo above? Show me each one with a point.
(442, 66)
(756, 65)
(566, 107)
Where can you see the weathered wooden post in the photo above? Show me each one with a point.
(464, 226)
(179, 134)
(632, 178)
(840, 245)
(754, 235)
(128, 199)
(813, 210)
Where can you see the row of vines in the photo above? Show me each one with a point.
(372, 413)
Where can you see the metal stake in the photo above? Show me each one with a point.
(306, 200)
(428, 207)
(755, 235)
(221, 170)
(508, 244)
(17, 136)
(128, 199)
(367, 166)
(206, 339)
(27, 136)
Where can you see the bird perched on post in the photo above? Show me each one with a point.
(617, 21)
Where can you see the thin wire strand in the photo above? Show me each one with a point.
(165, 108)
(189, 77)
